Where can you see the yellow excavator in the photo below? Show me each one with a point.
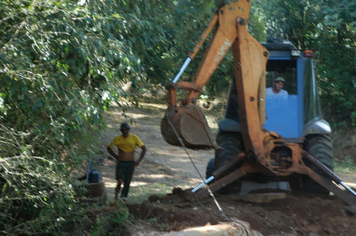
(262, 134)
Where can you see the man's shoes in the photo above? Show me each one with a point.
(124, 199)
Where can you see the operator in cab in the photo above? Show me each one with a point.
(277, 88)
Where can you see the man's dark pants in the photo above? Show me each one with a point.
(125, 170)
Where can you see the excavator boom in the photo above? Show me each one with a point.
(230, 23)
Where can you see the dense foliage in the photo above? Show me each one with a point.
(63, 62)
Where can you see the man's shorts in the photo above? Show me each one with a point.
(124, 169)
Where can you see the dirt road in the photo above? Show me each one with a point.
(167, 168)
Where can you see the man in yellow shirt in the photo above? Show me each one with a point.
(125, 161)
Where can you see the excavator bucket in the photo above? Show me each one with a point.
(187, 125)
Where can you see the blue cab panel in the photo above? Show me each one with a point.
(282, 115)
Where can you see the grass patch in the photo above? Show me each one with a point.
(112, 223)
(141, 193)
(345, 166)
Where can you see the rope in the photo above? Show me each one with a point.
(201, 177)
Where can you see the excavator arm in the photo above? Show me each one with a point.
(250, 58)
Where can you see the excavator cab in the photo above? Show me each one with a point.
(299, 113)
(296, 115)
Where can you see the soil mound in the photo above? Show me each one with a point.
(295, 214)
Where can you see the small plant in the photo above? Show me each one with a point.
(112, 223)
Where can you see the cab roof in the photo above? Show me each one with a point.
(278, 45)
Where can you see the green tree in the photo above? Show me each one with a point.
(61, 64)
(336, 56)
(292, 20)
